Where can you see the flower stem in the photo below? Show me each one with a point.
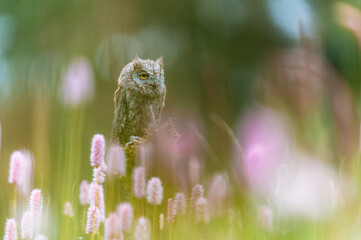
(14, 200)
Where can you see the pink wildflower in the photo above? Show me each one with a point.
(10, 230)
(20, 171)
(218, 194)
(78, 82)
(197, 192)
(27, 226)
(16, 160)
(139, 182)
(201, 209)
(112, 228)
(84, 196)
(154, 191)
(170, 215)
(36, 203)
(97, 150)
(68, 209)
(116, 160)
(142, 230)
(93, 220)
(179, 207)
(99, 173)
(26, 173)
(125, 214)
(97, 198)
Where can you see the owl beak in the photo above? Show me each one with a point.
(153, 84)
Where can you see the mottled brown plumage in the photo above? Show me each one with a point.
(139, 100)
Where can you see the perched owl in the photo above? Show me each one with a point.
(139, 99)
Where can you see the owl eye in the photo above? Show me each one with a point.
(143, 75)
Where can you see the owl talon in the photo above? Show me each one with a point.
(133, 140)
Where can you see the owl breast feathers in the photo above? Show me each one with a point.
(139, 99)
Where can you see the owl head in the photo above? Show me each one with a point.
(143, 74)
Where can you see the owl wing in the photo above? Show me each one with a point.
(119, 115)
(159, 107)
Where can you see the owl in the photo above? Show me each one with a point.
(139, 100)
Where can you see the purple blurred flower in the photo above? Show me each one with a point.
(304, 190)
(78, 82)
(264, 144)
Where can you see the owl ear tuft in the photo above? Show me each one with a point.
(136, 61)
(160, 61)
(136, 58)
